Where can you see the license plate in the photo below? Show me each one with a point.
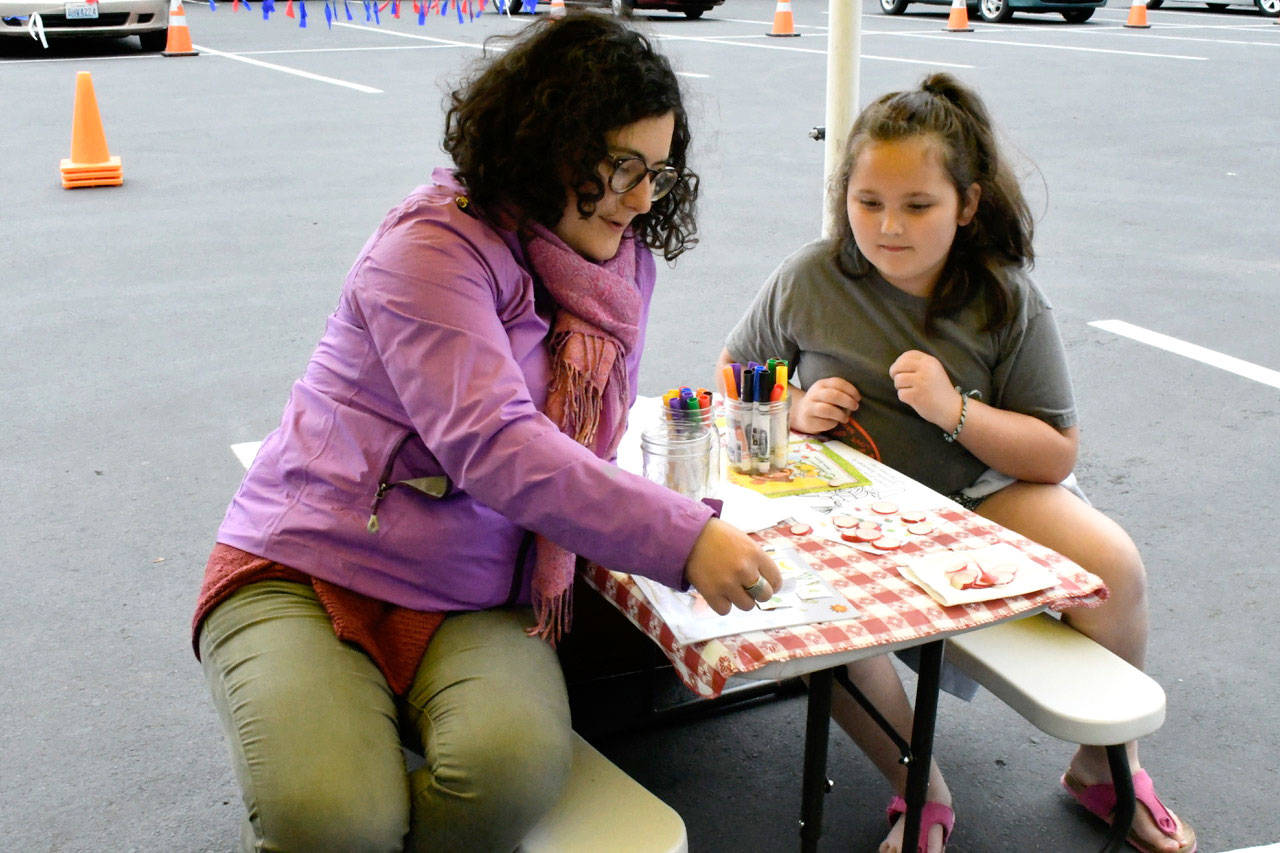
(80, 11)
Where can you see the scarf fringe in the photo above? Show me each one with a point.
(554, 615)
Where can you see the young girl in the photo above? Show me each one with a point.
(917, 330)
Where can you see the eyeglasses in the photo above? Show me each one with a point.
(628, 172)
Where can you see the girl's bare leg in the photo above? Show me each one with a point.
(879, 681)
(1058, 519)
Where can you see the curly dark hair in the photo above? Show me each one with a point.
(999, 234)
(531, 122)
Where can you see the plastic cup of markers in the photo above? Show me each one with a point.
(779, 417)
(757, 435)
(739, 419)
(682, 452)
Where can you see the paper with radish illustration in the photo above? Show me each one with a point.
(978, 574)
(805, 597)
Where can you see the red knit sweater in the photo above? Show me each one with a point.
(394, 637)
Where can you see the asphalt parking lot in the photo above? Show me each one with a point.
(148, 327)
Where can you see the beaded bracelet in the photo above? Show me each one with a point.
(964, 409)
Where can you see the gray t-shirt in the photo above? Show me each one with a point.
(828, 324)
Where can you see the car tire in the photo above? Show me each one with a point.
(995, 11)
(623, 8)
(1079, 16)
(154, 40)
(695, 13)
(1270, 8)
(893, 7)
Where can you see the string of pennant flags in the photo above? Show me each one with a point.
(464, 10)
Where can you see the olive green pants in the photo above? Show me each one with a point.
(316, 733)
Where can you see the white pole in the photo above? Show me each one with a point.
(844, 47)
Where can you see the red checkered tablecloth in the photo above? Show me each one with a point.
(890, 609)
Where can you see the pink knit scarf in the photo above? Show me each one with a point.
(595, 326)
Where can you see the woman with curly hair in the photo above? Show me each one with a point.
(397, 562)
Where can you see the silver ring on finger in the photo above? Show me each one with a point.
(760, 589)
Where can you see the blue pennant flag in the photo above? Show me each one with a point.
(302, 13)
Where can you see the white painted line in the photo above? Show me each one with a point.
(439, 42)
(245, 451)
(319, 78)
(82, 59)
(1205, 40)
(343, 49)
(933, 63)
(401, 34)
(1064, 47)
(770, 23)
(1247, 369)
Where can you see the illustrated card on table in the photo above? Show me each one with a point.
(804, 597)
(811, 467)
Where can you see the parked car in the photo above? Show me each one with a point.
(690, 8)
(998, 11)
(1270, 8)
(146, 19)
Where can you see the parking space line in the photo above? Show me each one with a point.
(1117, 31)
(1229, 363)
(402, 34)
(284, 69)
(933, 63)
(344, 49)
(770, 23)
(1065, 47)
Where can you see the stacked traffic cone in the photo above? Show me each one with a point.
(557, 8)
(958, 20)
(179, 42)
(90, 165)
(1138, 15)
(783, 24)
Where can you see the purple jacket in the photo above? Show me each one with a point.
(434, 364)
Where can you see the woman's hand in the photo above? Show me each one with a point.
(824, 404)
(923, 384)
(724, 562)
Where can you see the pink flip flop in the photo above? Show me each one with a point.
(1100, 800)
(930, 814)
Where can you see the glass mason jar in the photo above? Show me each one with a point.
(682, 452)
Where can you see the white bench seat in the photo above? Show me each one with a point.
(604, 809)
(1061, 681)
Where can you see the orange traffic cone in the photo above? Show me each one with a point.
(1138, 15)
(557, 8)
(90, 165)
(958, 20)
(783, 24)
(179, 43)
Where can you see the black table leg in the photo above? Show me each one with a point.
(1122, 779)
(816, 732)
(926, 714)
